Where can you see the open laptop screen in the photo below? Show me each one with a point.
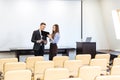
(88, 39)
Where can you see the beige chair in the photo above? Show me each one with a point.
(116, 62)
(18, 75)
(110, 77)
(103, 56)
(59, 60)
(40, 67)
(85, 58)
(100, 62)
(14, 66)
(73, 67)
(30, 62)
(89, 72)
(6, 60)
(71, 79)
(115, 70)
(118, 56)
(56, 74)
(1, 67)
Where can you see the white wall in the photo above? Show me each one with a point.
(107, 7)
(93, 23)
(18, 19)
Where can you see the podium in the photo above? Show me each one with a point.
(86, 48)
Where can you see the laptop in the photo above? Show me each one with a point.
(88, 39)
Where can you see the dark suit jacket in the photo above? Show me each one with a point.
(36, 36)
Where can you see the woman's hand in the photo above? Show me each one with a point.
(50, 36)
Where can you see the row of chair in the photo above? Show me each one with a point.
(85, 73)
(85, 58)
(58, 61)
(63, 61)
(40, 66)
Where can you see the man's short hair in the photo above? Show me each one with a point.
(43, 23)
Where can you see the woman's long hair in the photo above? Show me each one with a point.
(56, 30)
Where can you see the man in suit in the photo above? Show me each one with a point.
(39, 38)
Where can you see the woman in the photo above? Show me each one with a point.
(54, 38)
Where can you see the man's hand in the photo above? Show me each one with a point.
(45, 42)
(39, 41)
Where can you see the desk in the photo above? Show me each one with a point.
(86, 48)
(29, 51)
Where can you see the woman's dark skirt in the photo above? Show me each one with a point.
(53, 50)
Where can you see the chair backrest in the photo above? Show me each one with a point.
(89, 72)
(56, 73)
(85, 58)
(115, 70)
(103, 56)
(18, 75)
(71, 79)
(40, 67)
(116, 62)
(59, 60)
(1, 67)
(118, 56)
(73, 67)
(6, 60)
(99, 62)
(30, 62)
(110, 77)
(14, 66)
